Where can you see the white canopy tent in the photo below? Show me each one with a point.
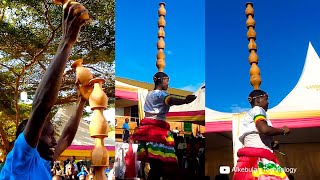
(82, 136)
(305, 96)
(299, 110)
(192, 112)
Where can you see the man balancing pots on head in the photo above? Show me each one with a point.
(256, 134)
(156, 143)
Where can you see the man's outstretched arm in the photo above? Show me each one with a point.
(47, 91)
(178, 101)
(70, 129)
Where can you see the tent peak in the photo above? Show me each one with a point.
(306, 94)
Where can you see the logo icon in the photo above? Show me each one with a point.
(224, 170)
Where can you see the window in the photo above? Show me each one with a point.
(134, 113)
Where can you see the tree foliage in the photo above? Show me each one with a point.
(30, 31)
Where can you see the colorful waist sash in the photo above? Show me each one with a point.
(258, 164)
(155, 141)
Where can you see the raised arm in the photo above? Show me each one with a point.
(70, 129)
(177, 101)
(47, 91)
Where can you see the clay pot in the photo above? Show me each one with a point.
(162, 11)
(251, 34)
(160, 64)
(250, 22)
(99, 173)
(255, 78)
(63, 2)
(98, 126)
(99, 155)
(83, 75)
(253, 57)
(91, 176)
(98, 99)
(84, 16)
(161, 44)
(161, 22)
(249, 9)
(85, 91)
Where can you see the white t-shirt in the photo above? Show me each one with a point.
(249, 135)
(156, 105)
(75, 167)
(175, 131)
(111, 174)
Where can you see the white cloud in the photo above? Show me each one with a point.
(88, 109)
(235, 108)
(191, 87)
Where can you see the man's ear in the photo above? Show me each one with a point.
(258, 100)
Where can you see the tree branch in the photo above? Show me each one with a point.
(23, 60)
(10, 69)
(16, 97)
(57, 27)
(66, 100)
(4, 137)
(42, 66)
(95, 69)
(4, 150)
(95, 48)
(34, 60)
(2, 10)
(45, 14)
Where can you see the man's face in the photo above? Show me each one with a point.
(165, 83)
(70, 169)
(264, 101)
(47, 142)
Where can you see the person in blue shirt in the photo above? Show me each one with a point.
(82, 174)
(126, 131)
(36, 146)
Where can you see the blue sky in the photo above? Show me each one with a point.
(283, 33)
(136, 38)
